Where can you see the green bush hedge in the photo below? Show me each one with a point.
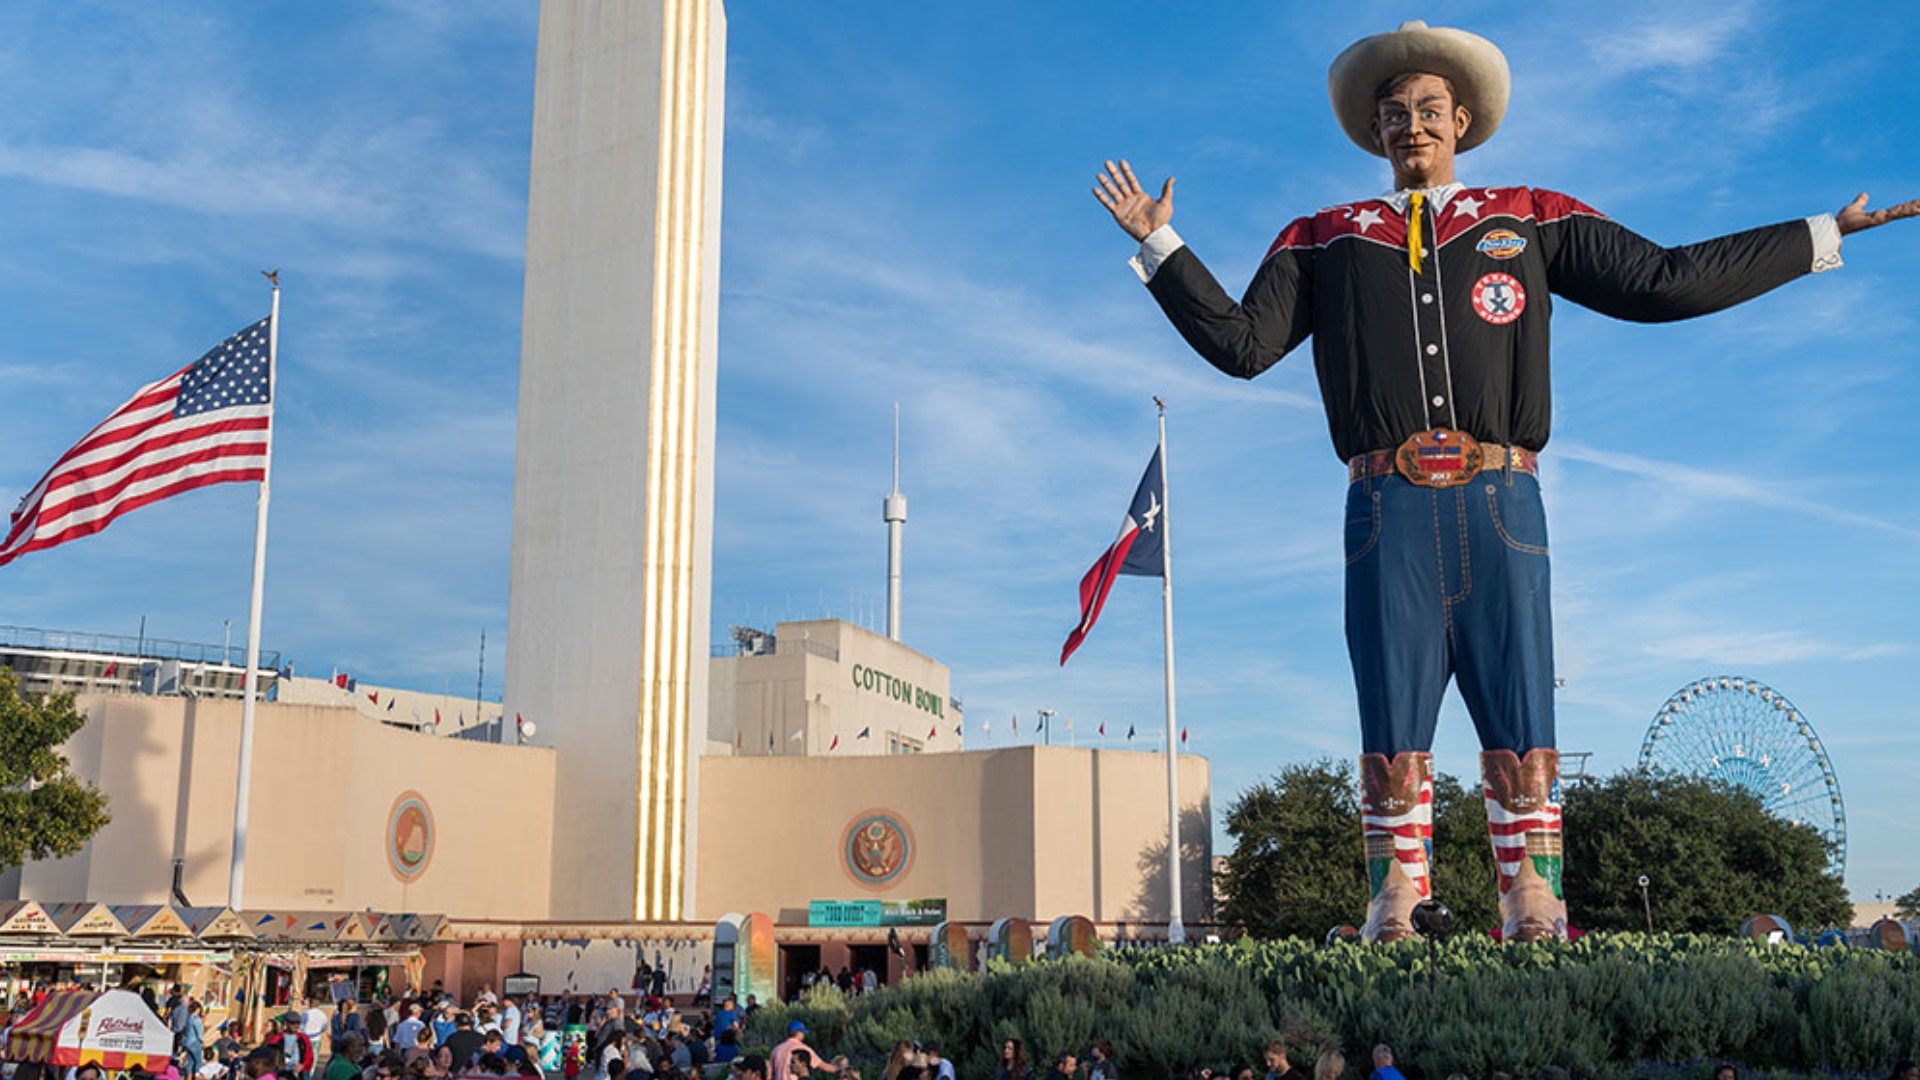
(1614, 1005)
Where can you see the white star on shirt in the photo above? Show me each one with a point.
(1367, 219)
(1467, 205)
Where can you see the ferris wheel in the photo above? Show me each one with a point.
(1748, 734)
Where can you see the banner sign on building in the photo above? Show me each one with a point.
(844, 913)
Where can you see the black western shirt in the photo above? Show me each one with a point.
(1461, 342)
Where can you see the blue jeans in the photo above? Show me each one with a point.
(1449, 583)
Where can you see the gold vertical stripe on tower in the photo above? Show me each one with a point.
(697, 287)
(673, 463)
(694, 284)
(673, 686)
(660, 356)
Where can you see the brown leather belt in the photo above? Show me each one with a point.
(1442, 458)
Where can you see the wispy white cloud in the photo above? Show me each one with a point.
(1695, 482)
(1682, 37)
(1765, 647)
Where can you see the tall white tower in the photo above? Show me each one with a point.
(893, 510)
(613, 470)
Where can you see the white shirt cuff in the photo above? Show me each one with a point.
(1826, 242)
(1163, 242)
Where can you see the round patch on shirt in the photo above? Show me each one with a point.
(1499, 299)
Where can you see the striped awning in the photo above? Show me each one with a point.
(33, 1036)
(114, 1029)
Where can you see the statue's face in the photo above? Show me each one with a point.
(1418, 124)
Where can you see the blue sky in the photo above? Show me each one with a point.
(907, 219)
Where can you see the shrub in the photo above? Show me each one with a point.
(1614, 1005)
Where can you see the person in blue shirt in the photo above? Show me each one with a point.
(1383, 1064)
(443, 1025)
(726, 1031)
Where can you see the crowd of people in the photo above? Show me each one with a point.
(641, 1035)
(847, 980)
(431, 1037)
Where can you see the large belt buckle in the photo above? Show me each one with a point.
(1439, 458)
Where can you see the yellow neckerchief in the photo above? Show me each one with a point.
(1415, 200)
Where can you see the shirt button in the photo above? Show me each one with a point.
(1431, 349)
(1426, 298)
(1438, 401)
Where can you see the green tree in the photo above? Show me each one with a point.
(1908, 906)
(45, 812)
(1713, 853)
(1463, 873)
(1297, 868)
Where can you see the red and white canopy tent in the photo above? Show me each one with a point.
(115, 1030)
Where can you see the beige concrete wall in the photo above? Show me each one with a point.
(829, 679)
(1031, 831)
(324, 784)
(1119, 799)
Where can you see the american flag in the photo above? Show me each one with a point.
(206, 424)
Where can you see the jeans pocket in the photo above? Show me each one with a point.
(1363, 532)
(1522, 522)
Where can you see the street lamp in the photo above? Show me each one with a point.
(1046, 724)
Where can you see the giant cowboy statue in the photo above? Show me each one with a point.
(1429, 316)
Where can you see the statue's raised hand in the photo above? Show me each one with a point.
(1855, 216)
(1132, 208)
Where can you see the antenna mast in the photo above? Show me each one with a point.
(893, 510)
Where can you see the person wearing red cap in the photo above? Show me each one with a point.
(1428, 308)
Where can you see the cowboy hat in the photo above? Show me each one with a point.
(1475, 66)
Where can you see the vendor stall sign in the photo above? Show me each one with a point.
(216, 923)
(82, 919)
(95, 956)
(152, 921)
(19, 917)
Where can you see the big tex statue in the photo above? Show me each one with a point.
(1429, 316)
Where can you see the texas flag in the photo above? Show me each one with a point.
(1135, 551)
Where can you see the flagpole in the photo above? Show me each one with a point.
(236, 884)
(1176, 930)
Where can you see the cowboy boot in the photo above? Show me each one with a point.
(1396, 824)
(1523, 820)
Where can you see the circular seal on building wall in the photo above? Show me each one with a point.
(877, 848)
(410, 836)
